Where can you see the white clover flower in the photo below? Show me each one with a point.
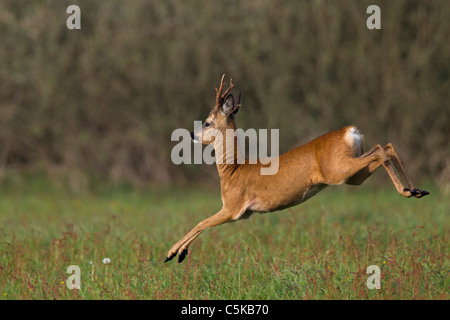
(106, 260)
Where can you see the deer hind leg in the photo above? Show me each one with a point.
(392, 155)
(360, 176)
(368, 162)
(181, 247)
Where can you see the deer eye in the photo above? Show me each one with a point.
(207, 124)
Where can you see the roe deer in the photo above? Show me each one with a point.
(332, 159)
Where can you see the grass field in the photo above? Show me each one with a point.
(317, 250)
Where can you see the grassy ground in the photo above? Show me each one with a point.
(318, 250)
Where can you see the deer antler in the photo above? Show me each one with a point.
(219, 95)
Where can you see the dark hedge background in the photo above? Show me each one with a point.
(102, 102)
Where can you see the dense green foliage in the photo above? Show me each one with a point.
(105, 99)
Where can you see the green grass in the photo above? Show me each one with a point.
(317, 250)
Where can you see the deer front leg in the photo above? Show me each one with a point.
(181, 247)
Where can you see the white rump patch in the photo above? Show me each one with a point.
(355, 139)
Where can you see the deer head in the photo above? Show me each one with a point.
(221, 116)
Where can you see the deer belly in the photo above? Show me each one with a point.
(311, 191)
(271, 203)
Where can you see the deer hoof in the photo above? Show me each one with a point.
(182, 255)
(416, 192)
(170, 257)
(421, 193)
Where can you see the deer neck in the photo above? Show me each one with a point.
(227, 149)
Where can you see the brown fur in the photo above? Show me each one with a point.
(331, 159)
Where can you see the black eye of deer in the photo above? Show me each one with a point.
(207, 124)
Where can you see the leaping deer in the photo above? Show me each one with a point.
(334, 158)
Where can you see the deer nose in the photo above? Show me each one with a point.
(192, 135)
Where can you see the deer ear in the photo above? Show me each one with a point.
(228, 105)
(237, 104)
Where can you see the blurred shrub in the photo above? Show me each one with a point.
(103, 101)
